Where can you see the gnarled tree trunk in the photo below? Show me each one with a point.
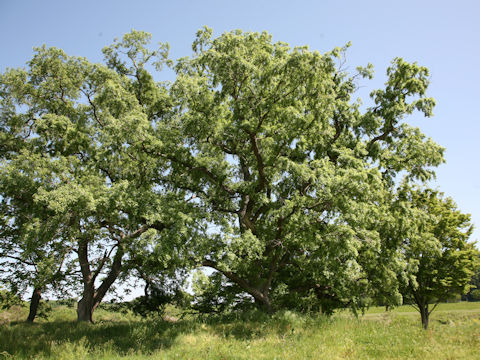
(85, 306)
(91, 298)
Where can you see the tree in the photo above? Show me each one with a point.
(77, 132)
(474, 292)
(440, 258)
(32, 250)
(297, 178)
(256, 162)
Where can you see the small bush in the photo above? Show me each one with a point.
(9, 299)
(475, 295)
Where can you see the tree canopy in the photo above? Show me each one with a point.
(298, 177)
(73, 136)
(257, 162)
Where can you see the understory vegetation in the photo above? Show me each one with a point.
(454, 333)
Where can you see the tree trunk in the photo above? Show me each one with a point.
(423, 308)
(264, 302)
(424, 314)
(34, 301)
(85, 306)
(91, 297)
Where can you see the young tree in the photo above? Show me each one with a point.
(78, 132)
(440, 258)
(296, 176)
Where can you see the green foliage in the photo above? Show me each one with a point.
(77, 142)
(154, 303)
(44, 310)
(300, 182)
(257, 161)
(207, 289)
(444, 259)
(476, 295)
(474, 285)
(214, 295)
(8, 299)
(440, 259)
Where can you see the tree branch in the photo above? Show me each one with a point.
(257, 294)
(260, 165)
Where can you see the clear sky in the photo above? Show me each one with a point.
(442, 35)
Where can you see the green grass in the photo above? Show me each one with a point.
(454, 334)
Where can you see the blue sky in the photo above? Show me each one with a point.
(442, 35)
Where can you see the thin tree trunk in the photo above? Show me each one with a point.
(34, 301)
(265, 303)
(423, 308)
(424, 314)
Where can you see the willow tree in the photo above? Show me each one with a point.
(298, 178)
(75, 133)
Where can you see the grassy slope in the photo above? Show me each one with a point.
(454, 334)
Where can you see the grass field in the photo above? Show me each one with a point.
(454, 333)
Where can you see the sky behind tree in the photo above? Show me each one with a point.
(441, 35)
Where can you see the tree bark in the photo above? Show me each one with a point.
(34, 301)
(92, 298)
(424, 314)
(423, 308)
(264, 301)
(85, 306)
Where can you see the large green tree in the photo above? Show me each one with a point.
(257, 162)
(440, 259)
(75, 133)
(297, 177)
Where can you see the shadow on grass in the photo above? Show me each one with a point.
(31, 340)
(119, 338)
